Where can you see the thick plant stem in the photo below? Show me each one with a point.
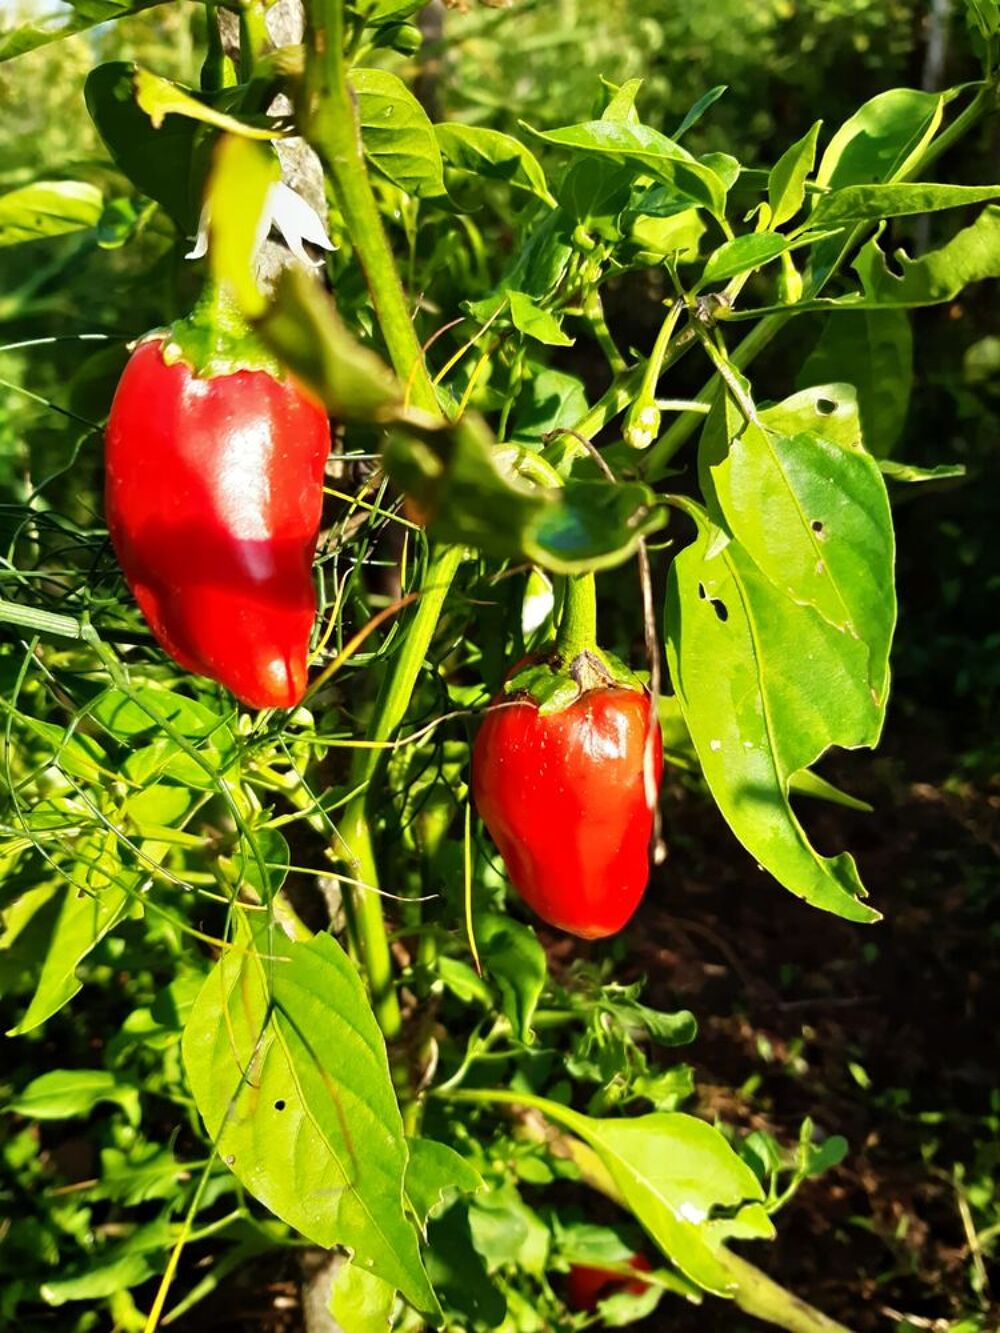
(578, 626)
(329, 121)
(355, 832)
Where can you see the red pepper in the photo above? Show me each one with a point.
(214, 486)
(586, 1286)
(569, 803)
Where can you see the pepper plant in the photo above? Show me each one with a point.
(348, 1032)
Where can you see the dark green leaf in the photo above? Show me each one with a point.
(698, 109)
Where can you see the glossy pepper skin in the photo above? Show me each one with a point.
(586, 1286)
(213, 493)
(567, 801)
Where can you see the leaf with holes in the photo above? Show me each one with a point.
(873, 350)
(766, 685)
(808, 505)
(289, 1071)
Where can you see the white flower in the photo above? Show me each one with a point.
(289, 214)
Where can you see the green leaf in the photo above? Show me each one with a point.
(696, 112)
(53, 28)
(398, 137)
(622, 106)
(811, 784)
(471, 492)
(873, 351)
(146, 707)
(457, 1271)
(811, 511)
(882, 140)
(648, 152)
(868, 203)
(243, 173)
(490, 155)
(164, 163)
(507, 1233)
(786, 184)
(910, 472)
(289, 1071)
(742, 255)
(48, 208)
(88, 909)
(551, 399)
(303, 329)
(595, 193)
(64, 1094)
(160, 98)
(529, 317)
(766, 686)
(360, 1301)
(434, 1174)
(675, 1173)
(939, 275)
(514, 959)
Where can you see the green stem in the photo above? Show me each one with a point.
(329, 121)
(254, 38)
(578, 624)
(357, 844)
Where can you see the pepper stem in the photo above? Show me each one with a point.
(578, 625)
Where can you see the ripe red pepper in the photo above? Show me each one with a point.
(586, 1286)
(214, 486)
(568, 801)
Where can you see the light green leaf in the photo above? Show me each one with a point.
(868, 203)
(360, 1301)
(910, 472)
(812, 512)
(48, 208)
(160, 98)
(766, 686)
(89, 908)
(514, 959)
(434, 1174)
(939, 275)
(398, 137)
(506, 1232)
(529, 317)
(289, 1071)
(873, 351)
(742, 255)
(786, 184)
(64, 1094)
(675, 1173)
(882, 140)
(83, 14)
(243, 173)
(649, 153)
(622, 106)
(490, 155)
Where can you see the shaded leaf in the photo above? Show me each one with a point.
(490, 155)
